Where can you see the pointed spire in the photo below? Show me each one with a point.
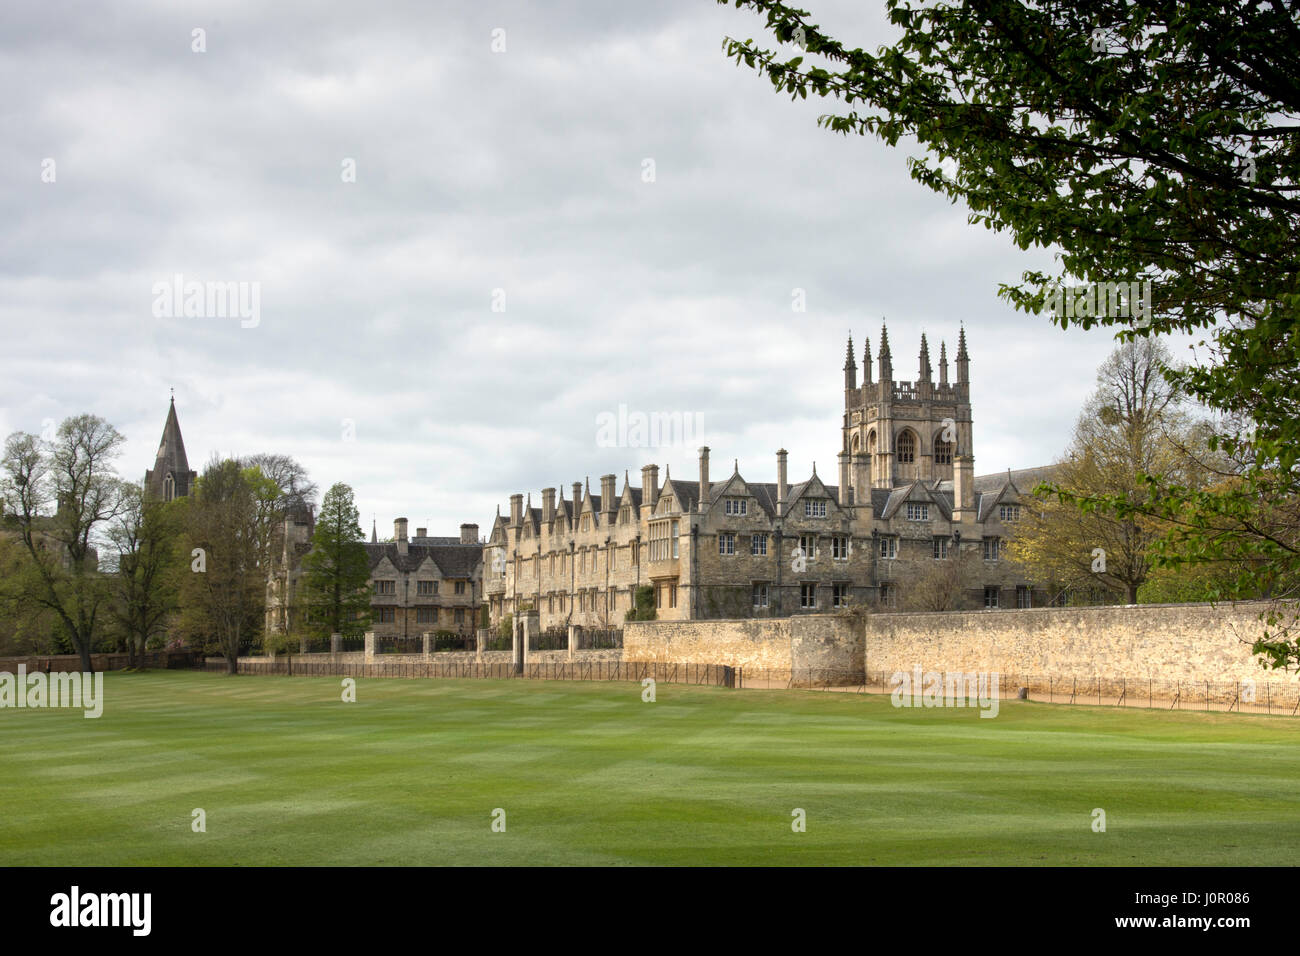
(848, 354)
(170, 476)
(963, 358)
(736, 466)
(814, 469)
(886, 372)
(866, 360)
(926, 371)
(943, 362)
(374, 528)
(850, 368)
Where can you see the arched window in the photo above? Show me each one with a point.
(855, 444)
(906, 448)
(169, 488)
(871, 443)
(943, 453)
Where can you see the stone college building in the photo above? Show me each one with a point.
(906, 515)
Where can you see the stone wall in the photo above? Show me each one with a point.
(1168, 642)
(831, 644)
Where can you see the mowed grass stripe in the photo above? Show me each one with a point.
(589, 774)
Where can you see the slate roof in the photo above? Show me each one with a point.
(884, 501)
(171, 459)
(454, 560)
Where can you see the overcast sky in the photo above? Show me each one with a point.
(376, 357)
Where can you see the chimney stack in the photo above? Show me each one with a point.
(963, 488)
(781, 486)
(548, 505)
(421, 532)
(577, 498)
(704, 478)
(469, 534)
(846, 494)
(399, 532)
(650, 486)
(608, 500)
(516, 510)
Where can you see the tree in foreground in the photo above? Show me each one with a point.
(61, 493)
(1147, 142)
(222, 596)
(145, 539)
(336, 579)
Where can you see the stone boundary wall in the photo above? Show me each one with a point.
(1161, 642)
(828, 644)
(71, 663)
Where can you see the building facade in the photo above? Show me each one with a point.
(905, 521)
(417, 584)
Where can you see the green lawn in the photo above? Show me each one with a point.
(589, 774)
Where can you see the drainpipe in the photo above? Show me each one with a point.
(694, 578)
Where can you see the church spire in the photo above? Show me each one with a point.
(170, 476)
(926, 372)
(850, 367)
(943, 363)
(866, 360)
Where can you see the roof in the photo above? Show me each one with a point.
(454, 560)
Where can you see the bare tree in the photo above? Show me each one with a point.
(74, 474)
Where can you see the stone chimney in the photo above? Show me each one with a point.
(782, 487)
(469, 534)
(862, 478)
(704, 478)
(422, 532)
(963, 488)
(577, 498)
(846, 493)
(608, 500)
(399, 533)
(548, 505)
(650, 485)
(516, 510)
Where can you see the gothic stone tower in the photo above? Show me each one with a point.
(899, 432)
(170, 476)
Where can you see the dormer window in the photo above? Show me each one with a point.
(814, 508)
(918, 511)
(736, 506)
(1008, 512)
